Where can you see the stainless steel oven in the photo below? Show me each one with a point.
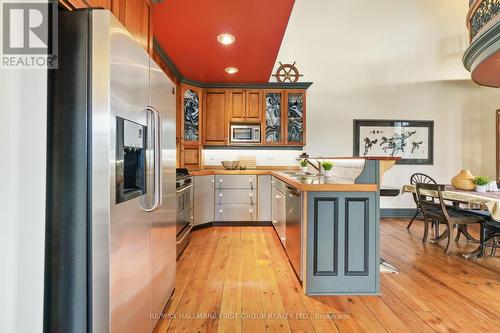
(245, 133)
(184, 188)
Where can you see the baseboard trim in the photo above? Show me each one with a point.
(397, 212)
(233, 224)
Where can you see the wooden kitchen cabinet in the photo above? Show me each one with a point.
(215, 125)
(273, 119)
(190, 156)
(253, 109)
(245, 105)
(135, 15)
(237, 105)
(192, 101)
(295, 117)
(190, 127)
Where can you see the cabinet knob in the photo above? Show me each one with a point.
(278, 196)
(274, 222)
(220, 195)
(213, 181)
(250, 211)
(220, 180)
(251, 195)
(220, 211)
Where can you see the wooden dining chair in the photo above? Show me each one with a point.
(414, 179)
(441, 213)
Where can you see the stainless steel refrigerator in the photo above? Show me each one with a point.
(111, 233)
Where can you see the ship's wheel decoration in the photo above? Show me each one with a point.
(287, 73)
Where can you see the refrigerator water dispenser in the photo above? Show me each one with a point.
(130, 160)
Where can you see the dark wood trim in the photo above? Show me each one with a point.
(335, 235)
(264, 85)
(498, 144)
(366, 235)
(165, 58)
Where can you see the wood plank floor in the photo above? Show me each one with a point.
(238, 279)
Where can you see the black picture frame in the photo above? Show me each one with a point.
(429, 124)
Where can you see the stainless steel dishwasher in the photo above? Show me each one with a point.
(293, 245)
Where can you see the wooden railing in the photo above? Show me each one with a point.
(482, 14)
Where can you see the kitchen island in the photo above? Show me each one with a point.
(333, 244)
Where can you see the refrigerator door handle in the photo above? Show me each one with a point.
(157, 193)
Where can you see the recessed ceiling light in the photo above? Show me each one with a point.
(226, 39)
(231, 70)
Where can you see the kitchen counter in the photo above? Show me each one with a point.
(305, 183)
(331, 232)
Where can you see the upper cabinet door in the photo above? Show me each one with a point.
(136, 16)
(237, 105)
(214, 120)
(295, 117)
(191, 116)
(273, 122)
(253, 106)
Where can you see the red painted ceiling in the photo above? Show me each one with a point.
(187, 31)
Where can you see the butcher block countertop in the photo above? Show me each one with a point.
(311, 183)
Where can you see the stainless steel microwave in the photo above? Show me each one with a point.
(245, 133)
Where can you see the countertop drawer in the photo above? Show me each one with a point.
(235, 212)
(235, 196)
(236, 181)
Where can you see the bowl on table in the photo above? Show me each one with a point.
(230, 165)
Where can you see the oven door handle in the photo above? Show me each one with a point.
(156, 135)
(184, 188)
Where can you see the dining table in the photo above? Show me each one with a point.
(488, 204)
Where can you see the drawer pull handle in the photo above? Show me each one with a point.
(278, 196)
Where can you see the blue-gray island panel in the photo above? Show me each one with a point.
(342, 243)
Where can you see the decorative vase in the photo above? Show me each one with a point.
(481, 188)
(463, 181)
(304, 169)
(328, 173)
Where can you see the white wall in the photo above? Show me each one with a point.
(23, 113)
(388, 59)
(489, 104)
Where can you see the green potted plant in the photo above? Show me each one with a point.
(481, 183)
(327, 167)
(303, 165)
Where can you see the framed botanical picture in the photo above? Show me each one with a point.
(412, 140)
